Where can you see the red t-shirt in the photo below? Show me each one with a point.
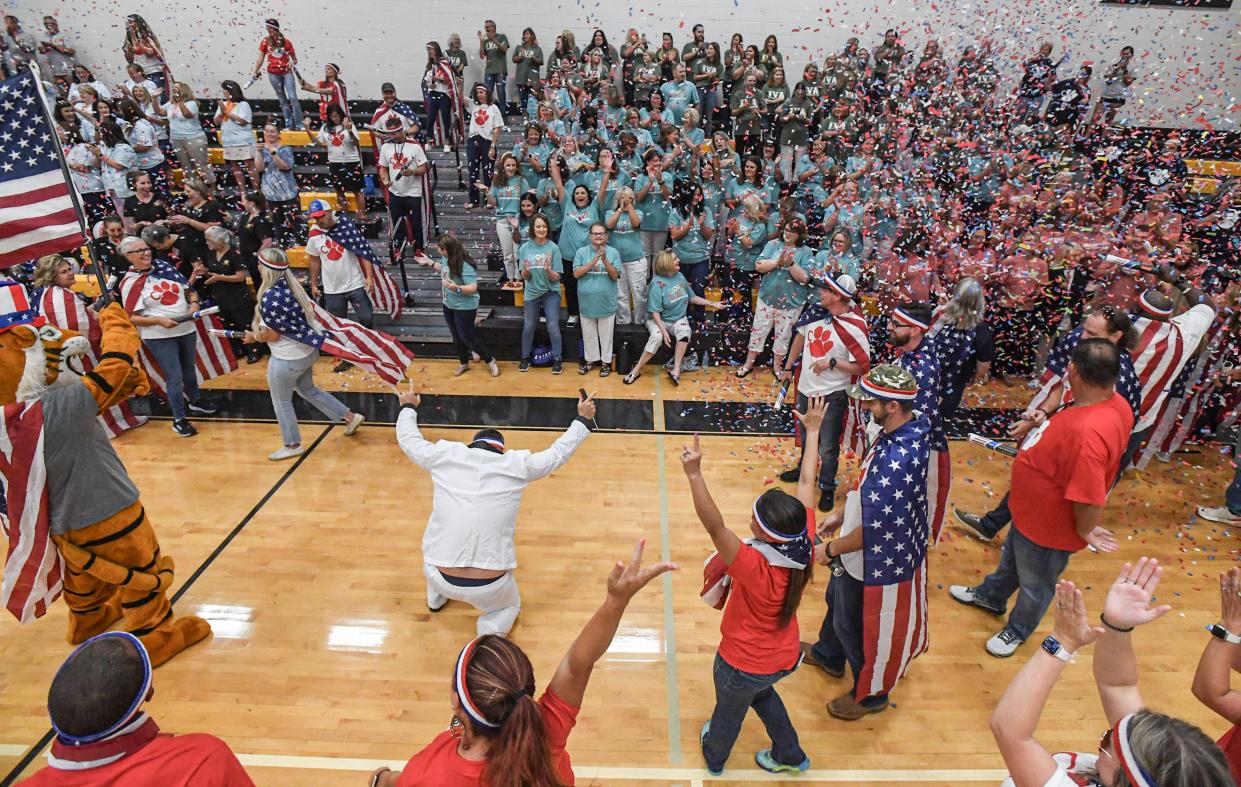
(439, 764)
(194, 760)
(750, 639)
(1230, 745)
(1072, 458)
(279, 57)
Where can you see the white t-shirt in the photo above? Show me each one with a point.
(398, 155)
(854, 561)
(1066, 763)
(287, 349)
(87, 182)
(340, 144)
(823, 342)
(1193, 324)
(181, 127)
(152, 90)
(485, 119)
(163, 298)
(234, 134)
(143, 133)
(339, 267)
(116, 181)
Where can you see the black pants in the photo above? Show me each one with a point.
(286, 220)
(438, 103)
(461, 326)
(237, 316)
(408, 210)
(523, 99)
(569, 281)
(477, 151)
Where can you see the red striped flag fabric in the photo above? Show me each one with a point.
(372, 350)
(214, 357)
(852, 330)
(37, 213)
(33, 570)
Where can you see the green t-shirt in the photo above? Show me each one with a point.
(495, 48)
(774, 96)
(692, 247)
(654, 207)
(458, 59)
(538, 258)
(455, 300)
(596, 289)
(527, 71)
(625, 238)
(669, 296)
(778, 289)
(642, 90)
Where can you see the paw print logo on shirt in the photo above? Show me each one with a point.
(481, 116)
(333, 250)
(820, 342)
(166, 292)
(338, 140)
(399, 161)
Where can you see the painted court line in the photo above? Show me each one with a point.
(670, 636)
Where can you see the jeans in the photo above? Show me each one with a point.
(285, 86)
(1232, 497)
(175, 357)
(1135, 442)
(480, 165)
(549, 304)
(338, 304)
(829, 436)
(709, 105)
(1030, 568)
(524, 92)
(840, 636)
(285, 377)
(438, 103)
(461, 326)
(997, 518)
(496, 86)
(735, 693)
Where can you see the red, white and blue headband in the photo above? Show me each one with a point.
(1152, 309)
(275, 266)
(883, 392)
(139, 698)
(494, 442)
(1138, 776)
(905, 318)
(835, 285)
(463, 691)
(779, 538)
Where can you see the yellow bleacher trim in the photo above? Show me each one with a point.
(85, 284)
(215, 155)
(308, 197)
(1210, 167)
(298, 258)
(298, 139)
(1204, 185)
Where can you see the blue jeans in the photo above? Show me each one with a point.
(285, 86)
(829, 436)
(495, 84)
(285, 377)
(175, 357)
(338, 304)
(735, 693)
(1030, 568)
(840, 636)
(549, 305)
(1232, 498)
(461, 326)
(709, 105)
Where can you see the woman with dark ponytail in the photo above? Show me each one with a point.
(759, 582)
(501, 736)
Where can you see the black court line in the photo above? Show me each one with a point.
(42, 743)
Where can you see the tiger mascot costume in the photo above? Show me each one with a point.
(74, 520)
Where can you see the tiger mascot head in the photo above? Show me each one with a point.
(33, 352)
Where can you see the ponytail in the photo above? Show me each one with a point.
(518, 755)
(798, 579)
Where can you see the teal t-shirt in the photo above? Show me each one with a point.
(508, 198)
(669, 296)
(693, 247)
(712, 196)
(596, 289)
(828, 261)
(540, 152)
(594, 178)
(537, 258)
(551, 209)
(778, 289)
(678, 98)
(738, 255)
(575, 230)
(455, 300)
(625, 238)
(655, 206)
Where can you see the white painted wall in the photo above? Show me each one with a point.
(1187, 60)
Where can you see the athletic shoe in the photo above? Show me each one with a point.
(184, 428)
(203, 406)
(791, 476)
(448, 148)
(343, 366)
(524, 366)
(702, 741)
(827, 499)
(493, 367)
(767, 762)
(1163, 456)
(286, 452)
(1221, 515)
(353, 423)
(557, 367)
(571, 321)
(969, 597)
(846, 708)
(1004, 644)
(462, 369)
(972, 524)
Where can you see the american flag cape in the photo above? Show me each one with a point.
(895, 538)
(1158, 358)
(33, 568)
(64, 309)
(923, 363)
(214, 357)
(1053, 380)
(851, 328)
(37, 212)
(456, 134)
(428, 194)
(372, 350)
(387, 296)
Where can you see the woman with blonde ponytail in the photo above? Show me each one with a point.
(500, 735)
(285, 306)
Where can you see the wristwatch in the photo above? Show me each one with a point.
(1054, 648)
(1219, 632)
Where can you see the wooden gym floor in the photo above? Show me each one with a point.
(325, 662)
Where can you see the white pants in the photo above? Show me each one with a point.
(504, 231)
(631, 292)
(789, 154)
(597, 338)
(499, 601)
(653, 242)
(680, 331)
(764, 319)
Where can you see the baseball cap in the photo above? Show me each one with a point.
(318, 208)
(387, 87)
(888, 382)
(842, 284)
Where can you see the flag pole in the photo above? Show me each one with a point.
(104, 296)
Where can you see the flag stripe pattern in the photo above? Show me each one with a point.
(37, 215)
(1053, 380)
(386, 298)
(1158, 358)
(33, 570)
(852, 330)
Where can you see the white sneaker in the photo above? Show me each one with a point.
(353, 423)
(493, 367)
(286, 452)
(966, 595)
(1004, 644)
(448, 148)
(571, 321)
(1163, 456)
(1221, 515)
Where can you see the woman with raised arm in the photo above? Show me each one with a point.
(1141, 748)
(766, 575)
(500, 735)
(1213, 680)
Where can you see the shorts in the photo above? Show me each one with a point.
(679, 330)
(240, 152)
(345, 175)
(1112, 102)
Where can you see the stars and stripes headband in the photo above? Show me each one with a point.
(275, 266)
(884, 392)
(1145, 304)
(139, 698)
(463, 691)
(831, 282)
(1138, 776)
(905, 318)
(779, 538)
(494, 442)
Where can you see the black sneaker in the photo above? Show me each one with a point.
(557, 368)
(203, 406)
(343, 366)
(827, 499)
(184, 428)
(791, 476)
(972, 524)
(524, 366)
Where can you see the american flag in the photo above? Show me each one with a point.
(1159, 357)
(387, 296)
(372, 350)
(893, 491)
(923, 363)
(37, 214)
(378, 122)
(854, 333)
(1127, 384)
(442, 71)
(33, 570)
(65, 309)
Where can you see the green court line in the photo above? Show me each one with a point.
(670, 637)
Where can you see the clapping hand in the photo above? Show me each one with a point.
(691, 458)
(1073, 629)
(1230, 599)
(1128, 602)
(627, 579)
(812, 419)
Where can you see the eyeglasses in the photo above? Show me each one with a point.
(139, 251)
